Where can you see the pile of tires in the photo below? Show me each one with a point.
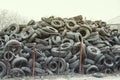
(57, 48)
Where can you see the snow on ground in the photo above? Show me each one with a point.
(71, 77)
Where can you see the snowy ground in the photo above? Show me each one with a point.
(71, 77)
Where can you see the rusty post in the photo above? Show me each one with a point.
(33, 60)
(81, 56)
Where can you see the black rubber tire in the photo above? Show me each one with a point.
(37, 65)
(94, 36)
(50, 29)
(116, 40)
(56, 39)
(87, 43)
(43, 47)
(16, 72)
(102, 42)
(75, 28)
(67, 67)
(41, 59)
(100, 45)
(41, 41)
(56, 52)
(39, 53)
(84, 32)
(49, 59)
(6, 38)
(2, 53)
(74, 64)
(108, 63)
(108, 71)
(47, 20)
(53, 66)
(108, 56)
(32, 37)
(98, 75)
(39, 72)
(62, 67)
(38, 33)
(114, 32)
(78, 18)
(4, 31)
(19, 62)
(67, 57)
(13, 46)
(103, 49)
(89, 61)
(26, 32)
(103, 31)
(87, 27)
(92, 69)
(47, 53)
(24, 53)
(31, 22)
(8, 56)
(92, 51)
(70, 24)
(49, 72)
(3, 69)
(57, 23)
(76, 48)
(117, 59)
(63, 33)
(78, 37)
(115, 49)
(99, 59)
(2, 42)
(27, 71)
(14, 28)
(15, 36)
(8, 65)
(66, 40)
(43, 23)
(66, 46)
(72, 59)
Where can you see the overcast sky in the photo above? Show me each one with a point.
(91, 9)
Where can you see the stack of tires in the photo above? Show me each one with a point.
(57, 48)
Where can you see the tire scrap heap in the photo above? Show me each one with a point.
(52, 46)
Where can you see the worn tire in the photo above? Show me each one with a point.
(19, 62)
(57, 23)
(27, 32)
(13, 46)
(3, 69)
(8, 56)
(27, 71)
(16, 72)
(91, 69)
(14, 28)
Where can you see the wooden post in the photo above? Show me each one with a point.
(81, 56)
(33, 60)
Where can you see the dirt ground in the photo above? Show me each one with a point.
(71, 77)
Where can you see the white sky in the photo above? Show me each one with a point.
(91, 9)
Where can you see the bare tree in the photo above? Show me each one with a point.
(8, 17)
